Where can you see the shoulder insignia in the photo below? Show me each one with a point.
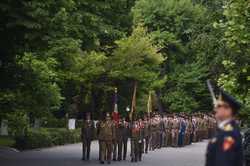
(228, 127)
(228, 143)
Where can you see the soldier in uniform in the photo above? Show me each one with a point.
(225, 149)
(162, 131)
(125, 135)
(194, 129)
(135, 137)
(117, 142)
(182, 131)
(175, 131)
(141, 139)
(146, 134)
(158, 132)
(99, 141)
(154, 133)
(151, 132)
(106, 137)
(87, 135)
(169, 130)
(165, 123)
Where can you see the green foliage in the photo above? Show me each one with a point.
(136, 58)
(59, 46)
(18, 123)
(47, 137)
(235, 26)
(54, 50)
(6, 141)
(41, 77)
(174, 26)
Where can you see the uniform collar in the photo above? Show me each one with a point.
(223, 123)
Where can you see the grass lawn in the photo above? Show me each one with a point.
(6, 141)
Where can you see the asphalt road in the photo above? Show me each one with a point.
(70, 155)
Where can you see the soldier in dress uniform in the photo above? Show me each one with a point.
(125, 135)
(106, 136)
(87, 135)
(225, 149)
(97, 133)
(182, 131)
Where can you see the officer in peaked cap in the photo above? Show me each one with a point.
(87, 136)
(225, 149)
(106, 136)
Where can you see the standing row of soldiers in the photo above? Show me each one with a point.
(146, 134)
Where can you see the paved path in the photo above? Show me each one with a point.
(70, 155)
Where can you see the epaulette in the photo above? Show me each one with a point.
(228, 127)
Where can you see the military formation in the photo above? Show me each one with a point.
(146, 133)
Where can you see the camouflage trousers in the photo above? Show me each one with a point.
(106, 150)
(175, 137)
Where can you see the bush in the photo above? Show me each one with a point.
(18, 123)
(38, 138)
(6, 141)
(53, 122)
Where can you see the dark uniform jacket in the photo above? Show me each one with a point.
(246, 145)
(125, 130)
(225, 149)
(88, 130)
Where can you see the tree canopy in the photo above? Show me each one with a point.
(53, 50)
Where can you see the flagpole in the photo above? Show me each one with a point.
(149, 104)
(133, 104)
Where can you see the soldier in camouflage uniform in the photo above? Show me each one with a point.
(162, 131)
(188, 131)
(87, 135)
(165, 123)
(106, 136)
(175, 131)
(158, 132)
(141, 139)
(194, 124)
(146, 133)
(169, 130)
(153, 133)
(135, 138)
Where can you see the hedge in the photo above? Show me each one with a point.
(47, 137)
